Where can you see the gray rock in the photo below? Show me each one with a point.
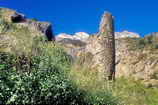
(45, 28)
(107, 41)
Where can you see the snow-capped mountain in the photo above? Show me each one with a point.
(125, 34)
(77, 36)
(82, 36)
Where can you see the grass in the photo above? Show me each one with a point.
(99, 92)
(82, 83)
(17, 38)
(123, 91)
(38, 79)
(135, 93)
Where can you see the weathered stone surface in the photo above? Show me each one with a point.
(18, 36)
(19, 19)
(136, 64)
(43, 27)
(107, 41)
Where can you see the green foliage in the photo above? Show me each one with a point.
(34, 19)
(43, 82)
(135, 93)
(38, 87)
(122, 91)
(147, 42)
(102, 97)
(98, 91)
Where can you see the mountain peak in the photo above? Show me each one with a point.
(77, 36)
(125, 34)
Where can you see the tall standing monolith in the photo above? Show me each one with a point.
(107, 41)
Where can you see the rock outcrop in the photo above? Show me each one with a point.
(132, 60)
(18, 19)
(17, 33)
(43, 27)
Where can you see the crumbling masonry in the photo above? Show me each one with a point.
(107, 41)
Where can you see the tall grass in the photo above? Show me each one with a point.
(135, 93)
(122, 91)
(38, 79)
(43, 76)
(98, 91)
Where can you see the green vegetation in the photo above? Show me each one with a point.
(38, 79)
(34, 71)
(123, 91)
(16, 38)
(99, 92)
(34, 19)
(135, 93)
(42, 76)
(147, 43)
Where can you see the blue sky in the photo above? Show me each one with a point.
(70, 16)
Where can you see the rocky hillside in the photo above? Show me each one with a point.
(136, 57)
(17, 32)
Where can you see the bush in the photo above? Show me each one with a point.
(43, 82)
(38, 87)
(41, 77)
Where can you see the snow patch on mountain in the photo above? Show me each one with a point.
(77, 36)
(82, 36)
(126, 34)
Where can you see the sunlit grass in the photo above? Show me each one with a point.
(98, 92)
(127, 91)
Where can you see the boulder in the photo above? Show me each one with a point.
(45, 28)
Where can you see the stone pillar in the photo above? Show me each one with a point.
(107, 41)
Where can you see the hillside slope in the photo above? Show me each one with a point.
(17, 32)
(136, 57)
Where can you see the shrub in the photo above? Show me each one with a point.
(148, 42)
(38, 87)
(45, 82)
